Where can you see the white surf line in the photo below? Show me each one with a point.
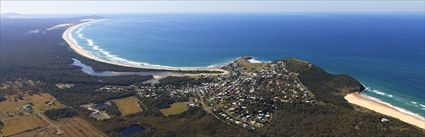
(73, 44)
(385, 108)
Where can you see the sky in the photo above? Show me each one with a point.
(102, 7)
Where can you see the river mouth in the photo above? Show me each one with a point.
(90, 71)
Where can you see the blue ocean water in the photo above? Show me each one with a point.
(386, 52)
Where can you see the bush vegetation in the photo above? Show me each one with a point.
(55, 114)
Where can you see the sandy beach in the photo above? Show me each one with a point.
(74, 45)
(67, 37)
(358, 99)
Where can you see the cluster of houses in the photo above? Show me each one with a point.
(116, 89)
(64, 85)
(244, 98)
(248, 99)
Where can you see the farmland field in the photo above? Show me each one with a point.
(41, 102)
(36, 124)
(76, 126)
(174, 109)
(21, 124)
(69, 127)
(128, 105)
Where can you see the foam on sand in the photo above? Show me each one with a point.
(386, 109)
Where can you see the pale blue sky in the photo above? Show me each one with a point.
(99, 7)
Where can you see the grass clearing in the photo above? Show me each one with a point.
(128, 105)
(174, 109)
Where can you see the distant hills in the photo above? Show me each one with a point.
(19, 15)
(9, 14)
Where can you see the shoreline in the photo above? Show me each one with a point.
(73, 44)
(354, 98)
(368, 103)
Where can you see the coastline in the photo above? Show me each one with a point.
(363, 101)
(73, 44)
(354, 98)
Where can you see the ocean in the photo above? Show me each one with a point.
(385, 51)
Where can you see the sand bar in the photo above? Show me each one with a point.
(358, 99)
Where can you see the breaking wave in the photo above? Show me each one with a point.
(99, 53)
(382, 93)
(378, 92)
(398, 108)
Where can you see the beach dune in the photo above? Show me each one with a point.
(360, 100)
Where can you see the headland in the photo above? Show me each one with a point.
(353, 98)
